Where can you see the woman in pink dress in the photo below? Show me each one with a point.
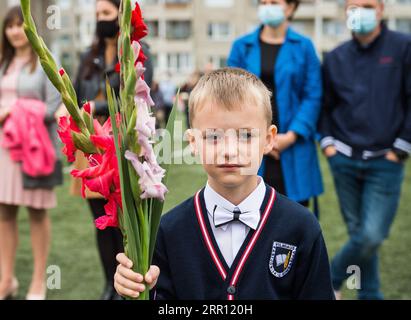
(21, 76)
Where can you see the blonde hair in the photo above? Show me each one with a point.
(230, 88)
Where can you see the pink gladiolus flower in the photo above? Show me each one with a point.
(150, 177)
(146, 123)
(140, 69)
(143, 92)
(142, 89)
(146, 129)
(138, 54)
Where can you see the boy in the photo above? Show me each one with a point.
(236, 238)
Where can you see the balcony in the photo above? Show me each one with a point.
(176, 4)
(326, 9)
(401, 9)
(178, 30)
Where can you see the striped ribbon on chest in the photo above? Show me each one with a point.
(213, 253)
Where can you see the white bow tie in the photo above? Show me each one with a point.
(223, 216)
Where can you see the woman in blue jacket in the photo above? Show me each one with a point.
(288, 65)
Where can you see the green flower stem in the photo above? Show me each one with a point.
(145, 241)
(62, 83)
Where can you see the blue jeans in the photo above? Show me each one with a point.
(368, 192)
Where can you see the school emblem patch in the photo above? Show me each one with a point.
(282, 257)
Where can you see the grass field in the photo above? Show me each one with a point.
(74, 246)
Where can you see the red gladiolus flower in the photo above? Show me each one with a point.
(67, 126)
(99, 176)
(117, 67)
(140, 30)
(101, 183)
(141, 58)
(87, 107)
(102, 176)
(111, 217)
(137, 22)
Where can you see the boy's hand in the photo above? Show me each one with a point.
(129, 283)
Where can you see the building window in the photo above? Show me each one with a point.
(178, 30)
(149, 2)
(404, 25)
(220, 31)
(177, 1)
(153, 28)
(179, 61)
(64, 4)
(302, 26)
(219, 3)
(254, 3)
(65, 21)
(334, 28)
(65, 40)
(154, 60)
(218, 61)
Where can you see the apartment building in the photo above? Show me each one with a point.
(188, 35)
(76, 33)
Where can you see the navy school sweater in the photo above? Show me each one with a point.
(285, 258)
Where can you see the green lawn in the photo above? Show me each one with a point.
(74, 246)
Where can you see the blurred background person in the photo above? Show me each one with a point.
(22, 77)
(96, 64)
(288, 65)
(185, 92)
(366, 136)
(168, 90)
(148, 64)
(158, 99)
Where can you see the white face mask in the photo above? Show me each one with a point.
(362, 20)
(271, 14)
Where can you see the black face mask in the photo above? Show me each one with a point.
(107, 29)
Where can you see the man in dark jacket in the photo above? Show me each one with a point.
(366, 135)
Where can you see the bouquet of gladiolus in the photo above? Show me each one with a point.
(122, 165)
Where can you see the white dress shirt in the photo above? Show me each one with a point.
(230, 237)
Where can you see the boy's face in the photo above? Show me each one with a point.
(231, 143)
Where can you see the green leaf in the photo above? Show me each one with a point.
(157, 206)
